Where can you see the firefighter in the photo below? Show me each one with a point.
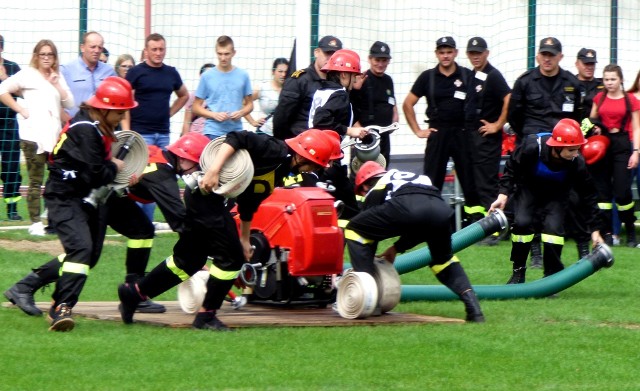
(157, 184)
(407, 205)
(538, 178)
(210, 230)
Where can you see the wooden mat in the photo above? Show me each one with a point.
(250, 316)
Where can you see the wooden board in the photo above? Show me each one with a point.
(250, 316)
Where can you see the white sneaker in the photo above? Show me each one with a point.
(37, 229)
(239, 302)
(161, 226)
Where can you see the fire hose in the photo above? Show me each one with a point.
(600, 257)
(236, 173)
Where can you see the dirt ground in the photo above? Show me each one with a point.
(51, 247)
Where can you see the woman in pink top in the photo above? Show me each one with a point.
(619, 114)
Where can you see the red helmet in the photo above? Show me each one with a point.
(344, 60)
(335, 140)
(114, 93)
(595, 148)
(367, 171)
(313, 145)
(189, 146)
(566, 133)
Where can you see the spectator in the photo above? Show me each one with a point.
(153, 82)
(44, 92)
(226, 91)
(194, 123)
(104, 56)
(291, 116)
(9, 145)
(267, 94)
(374, 100)
(123, 64)
(586, 65)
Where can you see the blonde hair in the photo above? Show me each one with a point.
(35, 59)
(122, 58)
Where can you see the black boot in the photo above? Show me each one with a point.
(146, 306)
(12, 212)
(583, 249)
(631, 235)
(21, 294)
(536, 253)
(472, 307)
(518, 276)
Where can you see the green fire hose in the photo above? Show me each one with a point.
(600, 257)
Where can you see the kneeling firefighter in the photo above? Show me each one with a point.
(407, 205)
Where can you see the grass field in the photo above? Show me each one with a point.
(585, 339)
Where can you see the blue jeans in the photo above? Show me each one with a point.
(159, 139)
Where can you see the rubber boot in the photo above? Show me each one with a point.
(583, 249)
(12, 212)
(472, 307)
(536, 253)
(21, 294)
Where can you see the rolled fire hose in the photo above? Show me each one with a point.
(191, 292)
(236, 173)
(494, 222)
(600, 257)
(359, 294)
(136, 159)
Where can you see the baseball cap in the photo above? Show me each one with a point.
(329, 43)
(550, 45)
(587, 56)
(477, 44)
(446, 41)
(380, 50)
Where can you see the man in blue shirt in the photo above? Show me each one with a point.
(226, 90)
(85, 73)
(153, 83)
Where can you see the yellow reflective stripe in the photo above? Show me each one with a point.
(360, 198)
(342, 223)
(12, 200)
(223, 274)
(76, 268)
(150, 168)
(605, 205)
(438, 268)
(182, 275)
(352, 235)
(475, 210)
(61, 257)
(553, 239)
(622, 208)
(63, 137)
(521, 238)
(140, 243)
(292, 180)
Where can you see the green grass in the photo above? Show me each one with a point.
(585, 339)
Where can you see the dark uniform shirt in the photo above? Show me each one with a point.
(11, 68)
(589, 90)
(533, 167)
(445, 97)
(534, 108)
(291, 116)
(334, 109)
(373, 103)
(488, 89)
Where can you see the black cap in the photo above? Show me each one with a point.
(550, 45)
(477, 44)
(587, 56)
(380, 50)
(329, 43)
(446, 41)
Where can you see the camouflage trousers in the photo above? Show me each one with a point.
(35, 168)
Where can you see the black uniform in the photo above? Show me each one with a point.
(538, 186)
(291, 116)
(80, 162)
(10, 149)
(589, 90)
(407, 205)
(486, 102)
(446, 101)
(373, 104)
(539, 102)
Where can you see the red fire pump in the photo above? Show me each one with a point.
(298, 247)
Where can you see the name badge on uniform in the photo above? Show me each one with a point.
(567, 107)
(391, 101)
(481, 75)
(460, 95)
